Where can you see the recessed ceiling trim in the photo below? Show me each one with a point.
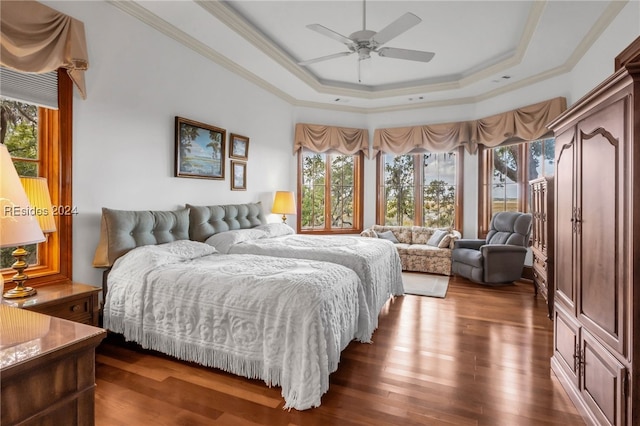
(226, 14)
(144, 15)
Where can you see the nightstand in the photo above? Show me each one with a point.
(71, 301)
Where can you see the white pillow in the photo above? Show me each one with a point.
(275, 229)
(223, 241)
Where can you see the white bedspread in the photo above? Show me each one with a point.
(376, 261)
(284, 321)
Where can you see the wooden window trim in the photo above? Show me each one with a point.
(485, 156)
(55, 145)
(418, 196)
(358, 214)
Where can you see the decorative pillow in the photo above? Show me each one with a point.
(436, 237)
(369, 233)
(447, 241)
(388, 235)
(124, 230)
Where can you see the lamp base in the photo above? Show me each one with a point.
(20, 254)
(19, 291)
(284, 218)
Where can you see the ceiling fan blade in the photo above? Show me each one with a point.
(412, 55)
(396, 28)
(323, 58)
(330, 33)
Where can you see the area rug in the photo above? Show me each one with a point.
(425, 284)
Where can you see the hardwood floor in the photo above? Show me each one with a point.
(480, 356)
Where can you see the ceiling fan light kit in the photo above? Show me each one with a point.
(365, 41)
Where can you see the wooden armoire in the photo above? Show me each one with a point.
(542, 232)
(597, 248)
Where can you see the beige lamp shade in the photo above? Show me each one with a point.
(18, 226)
(284, 203)
(40, 200)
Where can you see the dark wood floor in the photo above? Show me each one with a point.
(480, 356)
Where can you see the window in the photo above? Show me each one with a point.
(330, 188)
(39, 140)
(420, 189)
(505, 172)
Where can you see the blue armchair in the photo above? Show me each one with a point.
(499, 258)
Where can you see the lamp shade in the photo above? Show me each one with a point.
(40, 200)
(18, 224)
(284, 203)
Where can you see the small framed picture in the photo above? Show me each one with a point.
(239, 147)
(238, 176)
(199, 150)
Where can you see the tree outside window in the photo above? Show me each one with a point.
(40, 143)
(331, 193)
(19, 132)
(419, 189)
(505, 172)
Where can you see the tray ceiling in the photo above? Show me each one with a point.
(482, 48)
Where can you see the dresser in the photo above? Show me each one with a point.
(596, 354)
(71, 301)
(542, 232)
(47, 365)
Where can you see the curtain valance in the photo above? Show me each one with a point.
(320, 138)
(527, 123)
(37, 39)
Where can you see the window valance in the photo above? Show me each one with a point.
(527, 123)
(320, 138)
(37, 39)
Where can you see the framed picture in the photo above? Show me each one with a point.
(239, 148)
(238, 176)
(199, 150)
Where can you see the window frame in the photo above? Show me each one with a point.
(55, 154)
(485, 178)
(418, 195)
(358, 196)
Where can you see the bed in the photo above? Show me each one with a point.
(242, 229)
(284, 321)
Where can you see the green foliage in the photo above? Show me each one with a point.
(19, 132)
(399, 189)
(316, 170)
(439, 204)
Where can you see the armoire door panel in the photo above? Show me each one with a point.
(564, 203)
(603, 382)
(566, 343)
(598, 229)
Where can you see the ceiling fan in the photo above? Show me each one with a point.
(365, 41)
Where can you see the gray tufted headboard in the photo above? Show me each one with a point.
(204, 221)
(124, 230)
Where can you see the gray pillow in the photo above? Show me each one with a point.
(388, 235)
(436, 237)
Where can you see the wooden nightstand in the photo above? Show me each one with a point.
(71, 301)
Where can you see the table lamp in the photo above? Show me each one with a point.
(284, 203)
(18, 224)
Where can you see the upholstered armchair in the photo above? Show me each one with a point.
(499, 258)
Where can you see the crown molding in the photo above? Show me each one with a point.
(159, 24)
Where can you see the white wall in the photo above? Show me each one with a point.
(139, 80)
(123, 147)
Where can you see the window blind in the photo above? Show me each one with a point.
(39, 89)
